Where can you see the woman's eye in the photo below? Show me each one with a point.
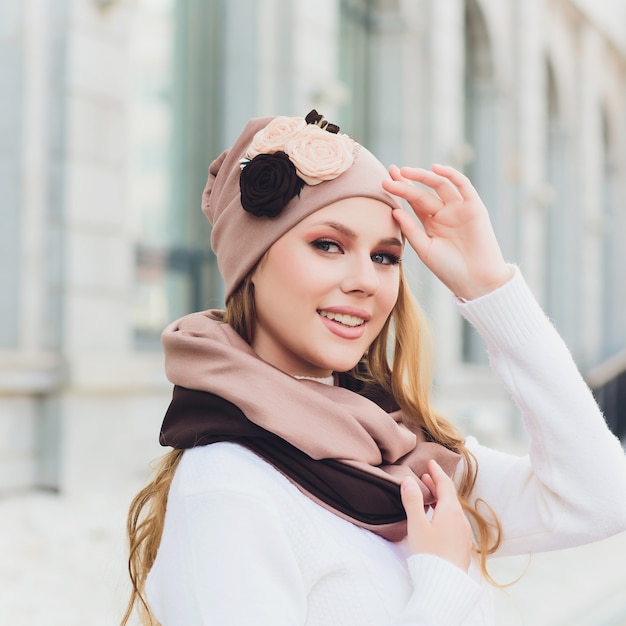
(326, 246)
(385, 259)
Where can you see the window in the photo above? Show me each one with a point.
(561, 221)
(481, 135)
(177, 75)
(371, 49)
(10, 175)
(613, 258)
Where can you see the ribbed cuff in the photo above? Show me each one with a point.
(442, 592)
(507, 317)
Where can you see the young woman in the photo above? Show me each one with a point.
(306, 450)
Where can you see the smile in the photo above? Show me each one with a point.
(342, 318)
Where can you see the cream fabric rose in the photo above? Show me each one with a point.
(275, 135)
(319, 155)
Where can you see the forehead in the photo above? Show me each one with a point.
(361, 215)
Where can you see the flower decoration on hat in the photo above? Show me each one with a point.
(287, 154)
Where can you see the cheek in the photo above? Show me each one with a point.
(304, 277)
(389, 294)
(277, 283)
(294, 279)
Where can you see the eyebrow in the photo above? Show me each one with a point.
(348, 232)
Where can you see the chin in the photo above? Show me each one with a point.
(341, 365)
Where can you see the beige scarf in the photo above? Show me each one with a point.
(338, 446)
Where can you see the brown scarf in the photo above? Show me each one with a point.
(343, 446)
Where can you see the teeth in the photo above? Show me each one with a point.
(346, 320)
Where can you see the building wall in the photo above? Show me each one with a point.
(111, 122)
(69, 365)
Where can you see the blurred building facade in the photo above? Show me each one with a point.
(112, 110)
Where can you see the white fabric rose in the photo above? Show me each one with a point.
(275, 135)
(319, 155)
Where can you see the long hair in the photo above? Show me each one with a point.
(144, 528)
(398, 361)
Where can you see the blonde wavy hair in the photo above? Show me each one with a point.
(405, 372)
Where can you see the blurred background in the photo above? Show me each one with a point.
(110, 113)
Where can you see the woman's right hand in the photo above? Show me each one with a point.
(448, 533)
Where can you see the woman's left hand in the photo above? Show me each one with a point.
(447, 534)
(457, 242)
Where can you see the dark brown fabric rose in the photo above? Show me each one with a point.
(267, 183)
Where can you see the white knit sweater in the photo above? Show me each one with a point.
(243, 546)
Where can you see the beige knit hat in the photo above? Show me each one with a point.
(282, 170)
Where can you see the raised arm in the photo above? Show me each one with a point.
(571, 488)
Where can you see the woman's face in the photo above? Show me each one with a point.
(324, 290)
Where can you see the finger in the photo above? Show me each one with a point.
(411, 230)
(443, 487)
(416, 521)
(412, 501)
(442, 185)
(423, 201)
(459, 180)
(439, 476)
(430, 483)
(394, 172)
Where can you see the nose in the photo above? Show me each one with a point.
(361, 277)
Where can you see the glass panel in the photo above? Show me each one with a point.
(560, 300)
(371, 40)
(481, 135)
(614, 298)
(10, 179)
(355, 66)
(176, 86)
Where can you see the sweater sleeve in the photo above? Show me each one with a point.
(571, 488)
(443, 595)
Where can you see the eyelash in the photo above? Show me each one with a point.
(393, 258)
(323, 244)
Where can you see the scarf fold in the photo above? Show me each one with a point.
(345, 447)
